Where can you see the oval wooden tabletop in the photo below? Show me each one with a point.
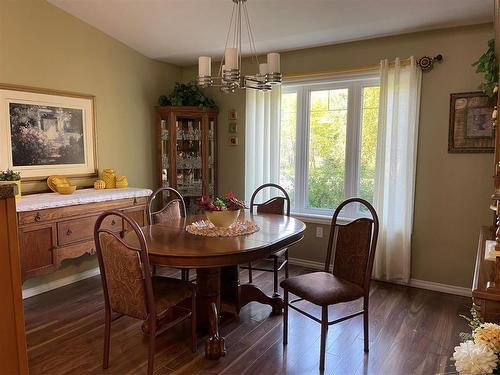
(169, 244)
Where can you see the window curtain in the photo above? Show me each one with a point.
(396, 167)
(261, 140)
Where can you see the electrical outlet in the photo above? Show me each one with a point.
(319, 232)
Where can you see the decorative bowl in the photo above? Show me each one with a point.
(54, 181)
(223, 219)
(66, 189)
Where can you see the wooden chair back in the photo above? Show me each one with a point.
(125, 270)
(175, 208)
(352, 246)
(275, 205)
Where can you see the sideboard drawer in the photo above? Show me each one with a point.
(81, 229)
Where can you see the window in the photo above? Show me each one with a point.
(328, 140)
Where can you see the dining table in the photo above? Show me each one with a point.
(216, 261)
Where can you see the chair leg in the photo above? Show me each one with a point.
(194, 337)
(324, 331)
(285, 317)
(152, 344)
(365, 322)
(107, 338)
(275, 260)
(286, 264)
(185, 274)
(250, 272)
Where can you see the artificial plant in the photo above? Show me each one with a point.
(9, 175)
(187, 94)
(488, 65)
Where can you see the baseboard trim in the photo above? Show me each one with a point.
(39, 289)
(414, 283)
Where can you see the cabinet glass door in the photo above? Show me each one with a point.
(164, 153)
(212, 155)
(189, 160)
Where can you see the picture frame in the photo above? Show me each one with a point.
(471, 127)
(47, 132)
(233, 128)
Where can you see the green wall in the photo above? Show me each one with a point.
(452, 190)
(42, 46)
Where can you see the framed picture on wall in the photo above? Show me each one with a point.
(47, 132)
(471, 126)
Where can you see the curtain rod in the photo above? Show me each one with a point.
(425, 63)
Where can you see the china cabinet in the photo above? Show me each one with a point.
(187, 151)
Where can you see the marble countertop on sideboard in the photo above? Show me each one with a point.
(52, 200)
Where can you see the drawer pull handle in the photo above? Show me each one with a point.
(69, 232)
(38, 217)
(113, 222)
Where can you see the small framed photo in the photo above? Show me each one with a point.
(471, 126)
(232, 115)
(233, 127)
(233, 141)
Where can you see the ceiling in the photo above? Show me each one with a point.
(178, 31)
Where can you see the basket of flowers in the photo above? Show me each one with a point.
(222, 212)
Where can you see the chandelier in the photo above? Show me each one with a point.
(229, 77)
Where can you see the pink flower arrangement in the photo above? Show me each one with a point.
(228, 203)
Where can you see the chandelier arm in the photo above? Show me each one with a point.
(239, 36)
(253, 49)
(225, 44)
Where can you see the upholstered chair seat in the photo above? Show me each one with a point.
(322, 288)
(351, 246)
(169, 292)
(278, 205)
(172, 209)
(130, 289)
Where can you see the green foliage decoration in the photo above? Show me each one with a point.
(187, 94)
(488, 65)
(9, 175)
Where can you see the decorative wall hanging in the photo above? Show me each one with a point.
(426, 63)
(46, 132)
(471, 125)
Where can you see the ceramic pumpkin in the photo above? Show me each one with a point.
(121, 182)
(99, 184)
(108, 176)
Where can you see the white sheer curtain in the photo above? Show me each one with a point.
(261, 139)
(396, 167)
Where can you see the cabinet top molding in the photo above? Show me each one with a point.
(84, 196)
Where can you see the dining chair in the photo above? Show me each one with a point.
(130, 289)
(352, 246)
(275, 205)
(174, 209)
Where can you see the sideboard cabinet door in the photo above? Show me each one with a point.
(38, 254)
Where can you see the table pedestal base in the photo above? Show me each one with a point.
(223, 283)
(214, 345)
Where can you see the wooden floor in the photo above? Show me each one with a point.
(412, 331)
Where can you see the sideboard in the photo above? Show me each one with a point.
(54, 227)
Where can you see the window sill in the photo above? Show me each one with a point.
(318, 219)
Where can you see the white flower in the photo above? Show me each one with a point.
(474, 359)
